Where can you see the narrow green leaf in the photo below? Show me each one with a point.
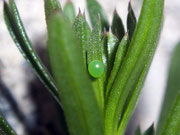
(150, 130)
(82, 31)
(5, 129)
(95, 9)
(172, 90)
(95, 52)
(21, 40)
(50, 6)
(132, 100)
(112, 46)
(138, 131)
(94, 48)
(117, 26)
(105, 50)
(120, 54)
(105, 59)
(69, 11)
(82, 112)
(136, 63)
(172, 123)
(131, 21)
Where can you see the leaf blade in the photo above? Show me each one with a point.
(131, 21)
(120, 54)
(18, 34)
(50, 6)
(117, 26)
(82, 112)
(95, 52)
(140, 53)
(138, 131)
(69, 11)
(172, 89)
(172, 124)
(150, 130)
(5, 129)
(112, 46)
(95, 9)
(82, 31)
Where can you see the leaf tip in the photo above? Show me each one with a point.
(129, 6)
(126, 36)
(68, 1)
(79, 12)
(115, 11)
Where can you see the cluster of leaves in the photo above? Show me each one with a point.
(104, 105)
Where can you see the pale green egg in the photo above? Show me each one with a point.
(96, 68)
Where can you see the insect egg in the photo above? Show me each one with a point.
(96, 68)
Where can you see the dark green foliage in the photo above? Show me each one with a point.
(138, 131)
(5, 129)
(131, 21)
(117, 26)
(150, 130)
(18, 34)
